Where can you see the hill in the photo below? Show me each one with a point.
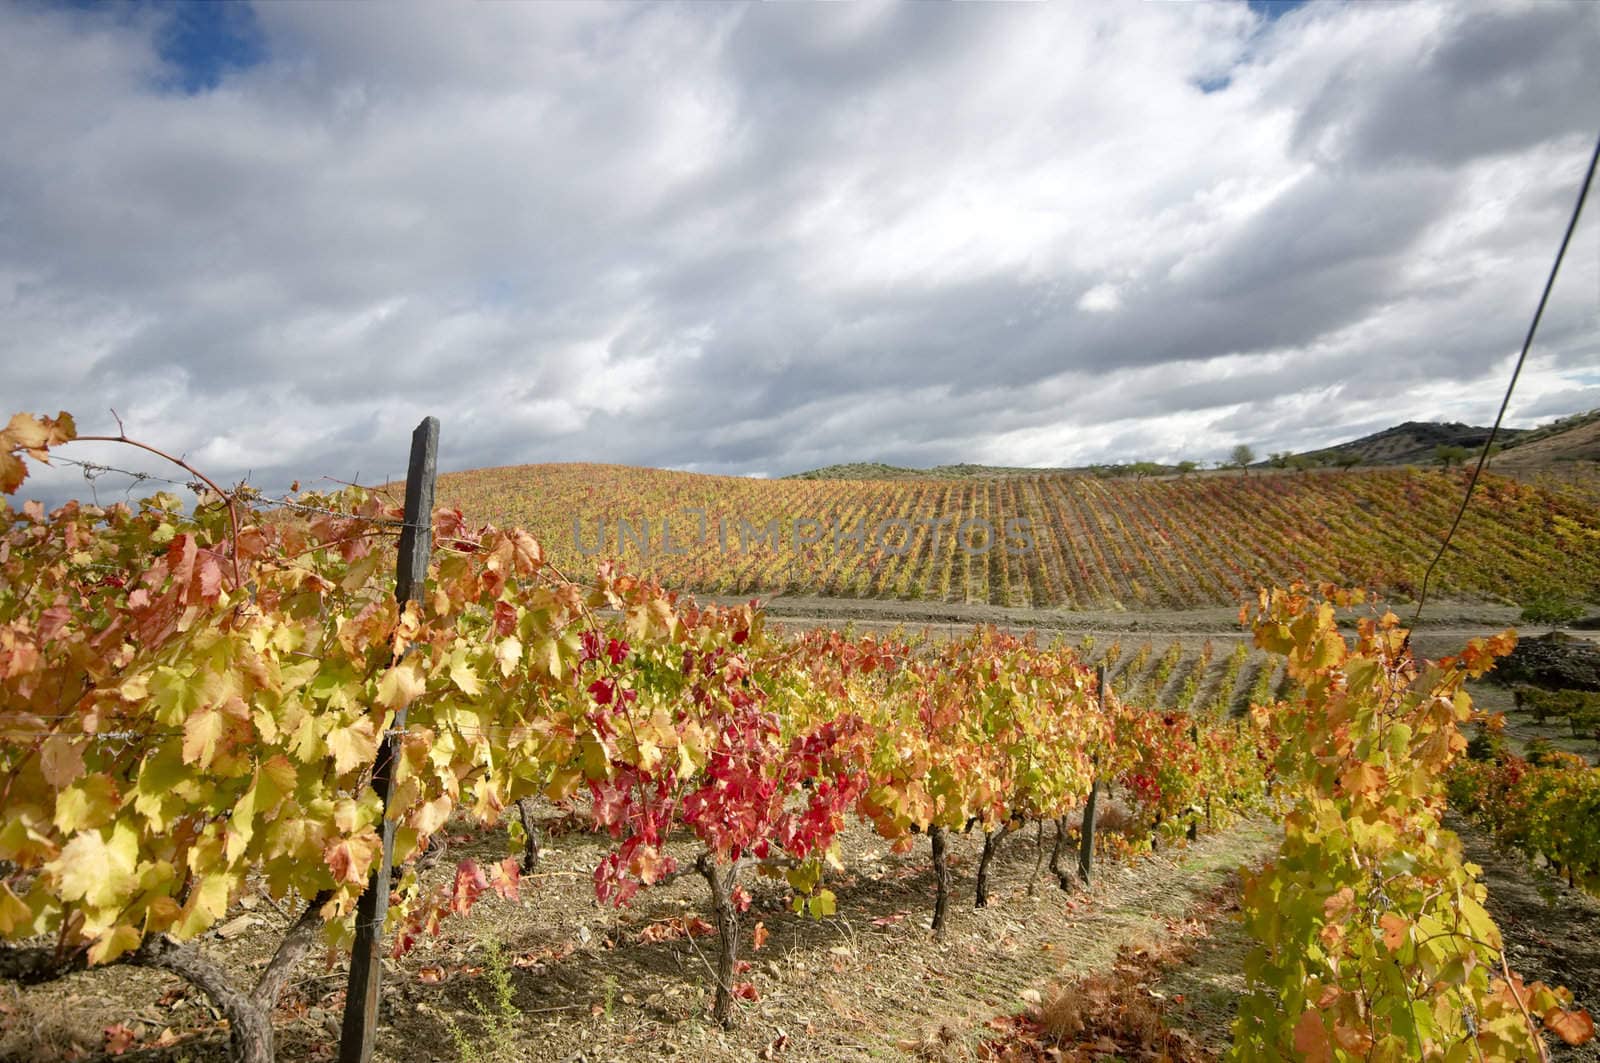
(1050, 539)
(1575, 438)
(1413, 443)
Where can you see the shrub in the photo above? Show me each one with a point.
(1551, 608)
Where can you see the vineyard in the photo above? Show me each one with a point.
(1068, 541)
(206, 712)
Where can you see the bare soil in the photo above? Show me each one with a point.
(588, 987)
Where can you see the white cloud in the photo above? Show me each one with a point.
(747, 239)
(1101, 299)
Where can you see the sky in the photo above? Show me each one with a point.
(761, 239)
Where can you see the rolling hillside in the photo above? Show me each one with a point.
(1413, 442)
(1574, 438)
(1059, 540)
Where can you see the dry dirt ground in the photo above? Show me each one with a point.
(587, 987)
(869, 983)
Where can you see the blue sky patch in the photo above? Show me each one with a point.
(1275, 9)
(201, 42)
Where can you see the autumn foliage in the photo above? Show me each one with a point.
(192, 701)
(1374, 942)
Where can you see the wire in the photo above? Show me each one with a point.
(1483, 456)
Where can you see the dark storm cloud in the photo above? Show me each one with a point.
(1487, 81)
(758, 239)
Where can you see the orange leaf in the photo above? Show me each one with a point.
(1311, 1038)
(1394, 930)
(118, 1039)
(758, 936)
(1573, 1027)
(1363, 778)
(60, 761)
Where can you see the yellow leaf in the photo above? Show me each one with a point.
(90, 802)
(462, 675)
(97, 871)
(563, 784)
(135, 689)
(13, 912)
(201, 732)
(346, 815)
(507, 654)
(353, 746)
(401, 685)
(113, 943)
(432, 815)
(208, 901)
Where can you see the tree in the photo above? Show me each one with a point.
(1347, 459)
(1187, 467)
(1278, 459)
(1241, 456)
(1448, 455)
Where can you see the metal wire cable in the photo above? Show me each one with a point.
(1483, 455)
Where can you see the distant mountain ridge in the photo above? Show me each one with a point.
(1414, 442)
(1574, 438)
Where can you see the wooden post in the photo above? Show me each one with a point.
(366, 970)
(1086, 839)
(1194, 817)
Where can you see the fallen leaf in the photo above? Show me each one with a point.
(119, 1039)
(1573, 1027)
(236, 926)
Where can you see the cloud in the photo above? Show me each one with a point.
(759, 239)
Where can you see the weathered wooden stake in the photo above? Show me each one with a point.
(366, 970)
(941, 880)
(1086, 835)
(1194, 817)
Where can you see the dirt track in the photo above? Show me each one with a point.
(1443, 628)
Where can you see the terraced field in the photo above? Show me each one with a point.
(1057, 540)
